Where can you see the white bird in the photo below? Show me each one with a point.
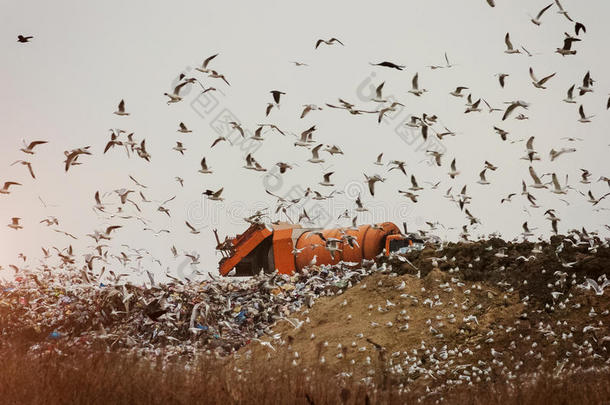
(536, 20)
(414, 185)
(371, 182)
(599, 289)
(482, 180)
(204, 65)
(179, 148)
(15, 224)
(509, 46)
(175, 96)
(326, 181)
(557, 187)
(121, 110)
(192, 228)
(204, 167)
(562, 11)
(584, 118)
(415, 86)
(315, 158)
(454, 171)
(539, 83)
(29, 148)
(570, 97)
(182, 128)
(5, 187)
(378, 162)
(214, 195)
(359, 206)
(537, 182)
(458, 91)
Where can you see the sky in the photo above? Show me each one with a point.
(85, 57)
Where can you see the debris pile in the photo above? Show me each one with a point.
(52, 310)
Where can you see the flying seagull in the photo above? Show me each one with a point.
(536, 20)
(389, 65)
(23, 40)
(331, 41)
(121, 109)
(539, 83)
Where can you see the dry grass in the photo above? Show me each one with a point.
(113, 378)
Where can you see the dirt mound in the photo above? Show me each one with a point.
(466, 313)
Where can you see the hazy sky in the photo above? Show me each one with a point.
(86, 56)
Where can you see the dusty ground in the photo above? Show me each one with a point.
(468, 301)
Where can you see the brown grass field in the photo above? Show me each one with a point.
(113, 378)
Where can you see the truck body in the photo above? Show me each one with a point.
(289, 247)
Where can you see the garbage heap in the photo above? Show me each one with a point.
(51, 311)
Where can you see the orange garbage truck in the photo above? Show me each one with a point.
(287, 247)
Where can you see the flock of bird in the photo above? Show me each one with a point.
(129, 203)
